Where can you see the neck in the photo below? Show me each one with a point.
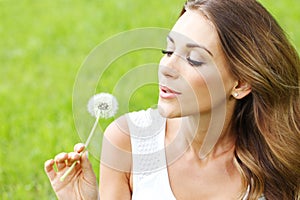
(208, 135)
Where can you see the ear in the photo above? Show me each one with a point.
(241, 89)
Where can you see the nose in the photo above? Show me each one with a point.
(169, 68)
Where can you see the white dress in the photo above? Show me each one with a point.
(150, 174)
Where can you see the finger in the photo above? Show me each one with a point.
(48, 167)
(61, 157)
(79, 147)
(60, 165)
(72, 157)
(60, 160)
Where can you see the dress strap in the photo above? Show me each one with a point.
(147, 132)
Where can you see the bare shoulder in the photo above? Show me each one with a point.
(118, 134)
(115, 164)
(116, 146)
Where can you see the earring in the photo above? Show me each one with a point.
(235, 94)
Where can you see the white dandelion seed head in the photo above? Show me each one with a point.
(103, 105)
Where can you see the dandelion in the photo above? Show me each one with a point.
(102, 105)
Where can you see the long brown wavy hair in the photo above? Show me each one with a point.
(267, 121)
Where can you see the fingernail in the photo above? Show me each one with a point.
(87, 154)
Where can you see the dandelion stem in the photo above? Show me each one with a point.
(86, 145)
(92, 132)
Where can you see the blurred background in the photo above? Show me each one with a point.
(42, 46)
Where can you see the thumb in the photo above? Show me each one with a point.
(87, 168)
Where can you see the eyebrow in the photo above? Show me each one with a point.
(171, 39)
(191, 45)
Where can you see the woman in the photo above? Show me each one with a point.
(236, 140)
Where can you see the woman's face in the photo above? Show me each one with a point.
(193, 74)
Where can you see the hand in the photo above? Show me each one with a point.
(80, 184)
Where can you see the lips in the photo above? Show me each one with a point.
(168, 93)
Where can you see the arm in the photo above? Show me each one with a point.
(115, 167)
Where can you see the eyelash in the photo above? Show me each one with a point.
(190, 61)
(168, 53)
(194, 62)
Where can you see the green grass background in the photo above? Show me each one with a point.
(42, 46)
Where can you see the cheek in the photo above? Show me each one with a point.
(208, 89)
(219, 87)
(196, 97)
(198, 85)
(202, 92)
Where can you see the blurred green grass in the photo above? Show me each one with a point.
(42, 45)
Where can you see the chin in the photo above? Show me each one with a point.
(175, 109)
(168, 110)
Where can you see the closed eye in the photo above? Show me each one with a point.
(194, 63)
(166, 52)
